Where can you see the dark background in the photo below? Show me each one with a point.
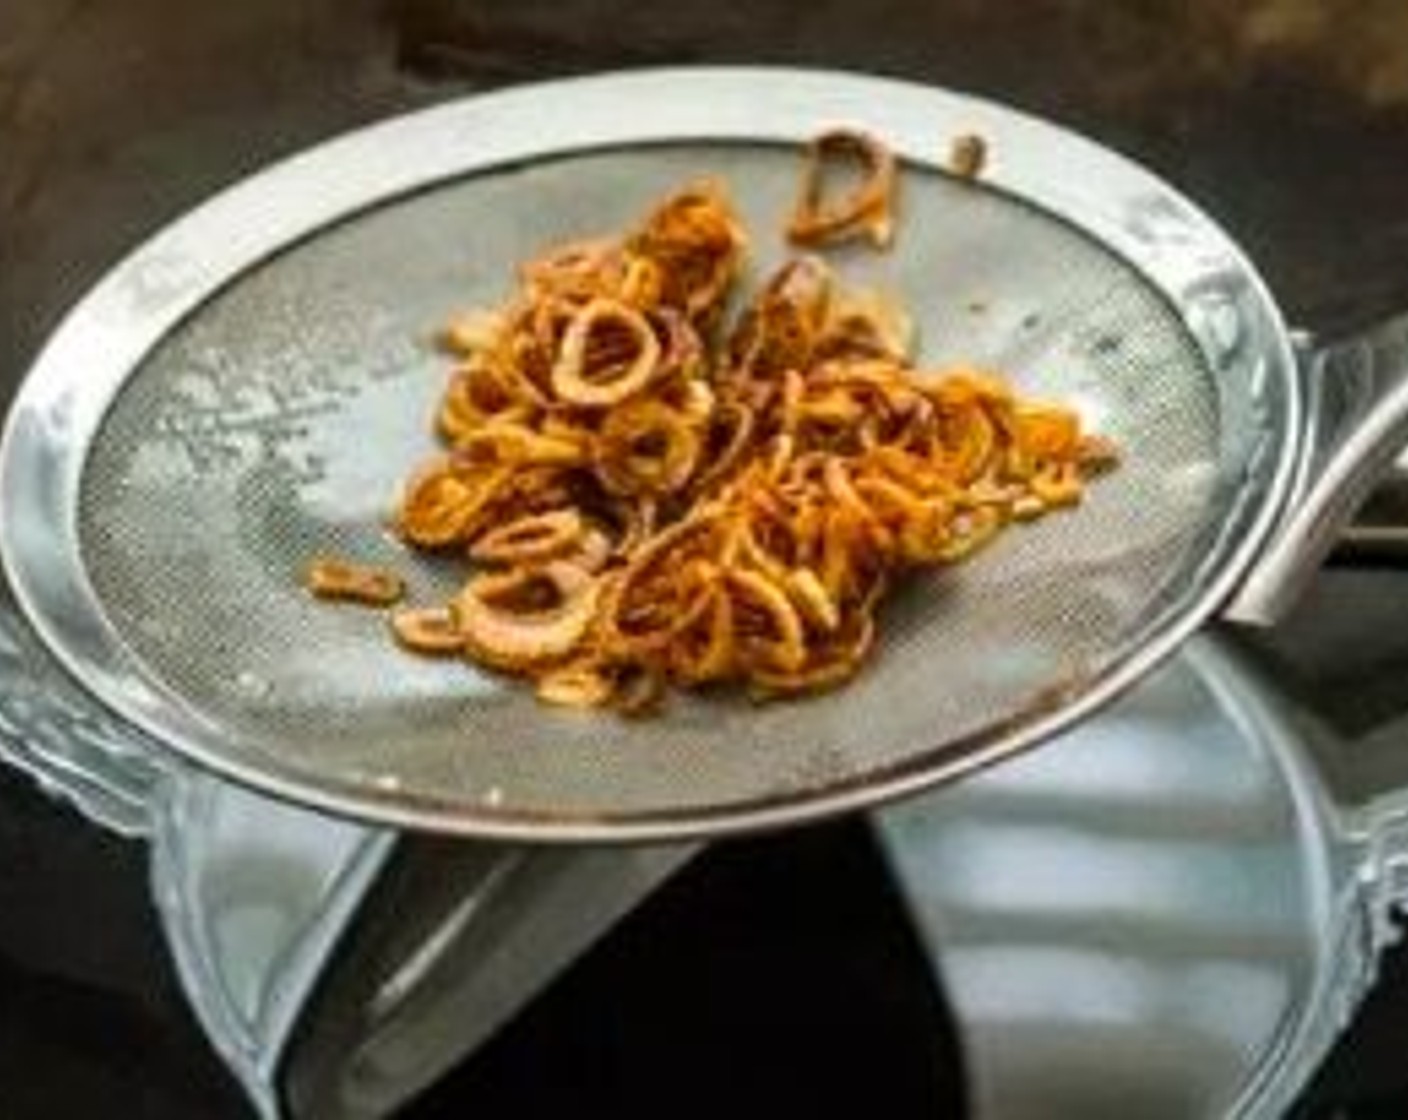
(775, 976)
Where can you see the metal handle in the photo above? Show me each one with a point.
(1357, 423)
(75, 751)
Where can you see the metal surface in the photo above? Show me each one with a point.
(1161, 915)
(75, 750)
(455, 940)
(339, 969)
(254, 897)
(1212, 407)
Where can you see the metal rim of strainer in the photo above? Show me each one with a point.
(62, 402)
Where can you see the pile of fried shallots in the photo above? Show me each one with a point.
(649, 496)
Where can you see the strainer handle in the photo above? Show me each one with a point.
(1356, 425)
(74, 750)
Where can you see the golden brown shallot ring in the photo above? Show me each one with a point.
(637, 521)
(697, 244)
(592, 552)
(647, 447)
(646, 605)
(585, 683)
(609, 352)
(969, 531)
(521, 619)
(473, 332)
(828, 665)
(639, 692)
(444, 501)
(433, 631)
(577, 270)
(642, 283)
(726, 441)
(703, 649)
(531, 540)
(474, 395)
(865, 210)
(510, 440)
(1097, 454)
(349, 582)
(812, 597)
(781, 642)
(1057, 484)
(779, 331)
(866, 324)
(1045, 431)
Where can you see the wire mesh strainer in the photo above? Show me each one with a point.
(248, 389)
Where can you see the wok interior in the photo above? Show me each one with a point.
(278, 420)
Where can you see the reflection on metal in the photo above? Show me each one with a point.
(1186, 939)
(453, 941)
(254, 895)
(57, 734)
(412, 974)
(339, 969)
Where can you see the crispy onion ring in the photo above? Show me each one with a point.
(654, 597)
(525, 618)
(780, 331)
(473, 332)
(474, 395)
(771, 632)
(726, 442)
(1096, 454)
(647, 447)
(328, 578)
(829, 664)
(865, 210)
(967, 156)
(703, 649)
(578, 270)
(697, 245)
(513, 440)
(608, 353)
(579, 684)
(433, 631)
(533, 539)
(866, 324)
(445, 502)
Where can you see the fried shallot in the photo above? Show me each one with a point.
(649, 499)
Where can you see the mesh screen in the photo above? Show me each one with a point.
(278, 421)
